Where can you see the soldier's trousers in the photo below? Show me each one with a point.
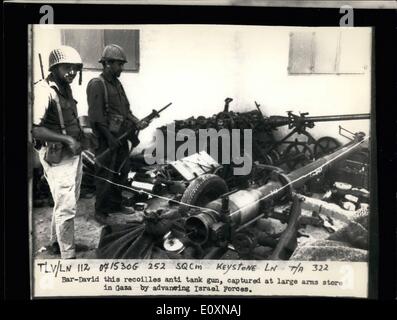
(64, 180)
(108, 196)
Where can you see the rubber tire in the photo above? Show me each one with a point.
(203, 190)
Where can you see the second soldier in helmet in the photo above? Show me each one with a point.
(110, 115)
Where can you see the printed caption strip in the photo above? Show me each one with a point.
(185, 277)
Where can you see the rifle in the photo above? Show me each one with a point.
(257, 105)
(148, 118)
(37, 144)
(41, 66)
(41, 70)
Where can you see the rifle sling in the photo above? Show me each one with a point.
(105, 93)
(59, 108)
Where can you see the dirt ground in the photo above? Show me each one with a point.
(87, 230)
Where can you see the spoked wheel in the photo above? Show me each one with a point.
(297, 155)
(275, 155)
(324, 146)
(272, 158)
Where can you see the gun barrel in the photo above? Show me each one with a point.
(279, 121)
(163, 108)
(342, 117)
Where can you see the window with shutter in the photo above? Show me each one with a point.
(91, 42)
(326, 52)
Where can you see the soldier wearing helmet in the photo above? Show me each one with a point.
(110, 115)
(56, 126)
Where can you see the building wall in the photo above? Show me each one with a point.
(197, 67)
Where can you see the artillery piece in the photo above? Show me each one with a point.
(298, 153)
(225, 222)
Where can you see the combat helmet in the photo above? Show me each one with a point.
(113, 52)
(64, 54)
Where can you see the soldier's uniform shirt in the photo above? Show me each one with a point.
(45, 112)
(117, 100)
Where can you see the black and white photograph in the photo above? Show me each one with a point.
(225, 150)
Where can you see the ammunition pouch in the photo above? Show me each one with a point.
(115, 123)
(54, 152)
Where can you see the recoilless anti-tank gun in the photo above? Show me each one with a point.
(225, 223)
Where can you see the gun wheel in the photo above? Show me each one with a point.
(267, 159)
(275, 155)
(297, 155)
(203, 190)
(324, 146)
